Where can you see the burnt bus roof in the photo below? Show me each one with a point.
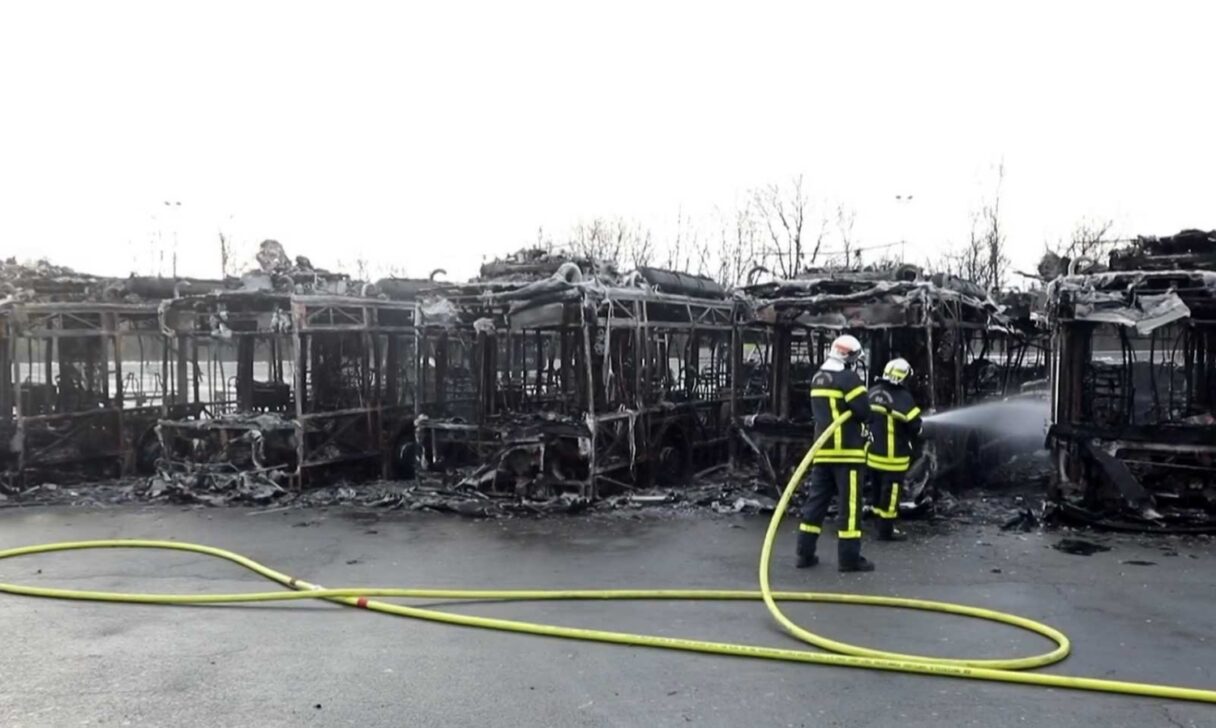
(685, 284)
(1188, 250)
(572, 277)
(1146, 284)
(668, 297)
(533, 264)
(868, 299)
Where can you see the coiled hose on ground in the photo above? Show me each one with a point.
(830, 652)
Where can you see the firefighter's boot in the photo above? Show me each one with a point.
(888, 532)
(850, 558)
(806, 550)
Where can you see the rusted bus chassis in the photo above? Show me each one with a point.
(1133, 435)
(293, 385)
(82, 385)
(961, 349)
(576, 384)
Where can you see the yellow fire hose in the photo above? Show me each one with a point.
(834, 653)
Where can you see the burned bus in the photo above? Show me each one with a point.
(1133, 395)
(312, 375)
(553, 374)
(85, 374)
(961, 347)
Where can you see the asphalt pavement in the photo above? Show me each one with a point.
(1141, 611)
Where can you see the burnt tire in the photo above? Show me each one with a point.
(148, 452)
(405, 457)
(674, 464)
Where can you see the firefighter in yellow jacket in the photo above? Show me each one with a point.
(838, 468)
(895, 425)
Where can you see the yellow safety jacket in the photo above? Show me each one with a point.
(894, 425)
(832, 393)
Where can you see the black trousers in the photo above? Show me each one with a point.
(885, 490)
(828, 481)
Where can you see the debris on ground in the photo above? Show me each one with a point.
(725, 492)
(1023, 471)
(1171, 521)
(746, 505)
(218, 487)
(1025, 521)
(1079, 547)
(1022, 509)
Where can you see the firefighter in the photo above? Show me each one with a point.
(838, 467)
(895, 427)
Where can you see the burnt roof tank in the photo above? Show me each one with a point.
(682, 284)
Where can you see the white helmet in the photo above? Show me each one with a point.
(897, 370)
(846, 349)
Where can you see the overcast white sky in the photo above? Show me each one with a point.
(428, 135)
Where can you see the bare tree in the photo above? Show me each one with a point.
(633, 243)
(615, 241)
(845, 218)
(995, 265)
(640, 246)
(739, 250)
(1087, 240)
(225, 254)
(685, 244)
(725, 251)
(969, 261)
(1088, 237)
(982, 259)
(597, 240)
(703, 254)
(675, 251)
(227, 250)
(783, 212)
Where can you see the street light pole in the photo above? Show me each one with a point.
(176, 207)
(903, 201)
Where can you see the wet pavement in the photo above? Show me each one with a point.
(1140, 611)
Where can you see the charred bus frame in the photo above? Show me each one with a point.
(960, 347)
(1133, 407)
(82, 385)
(318, 381)
(574, 383)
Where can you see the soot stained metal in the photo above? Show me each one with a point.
(1133, 434)
(553, 374)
